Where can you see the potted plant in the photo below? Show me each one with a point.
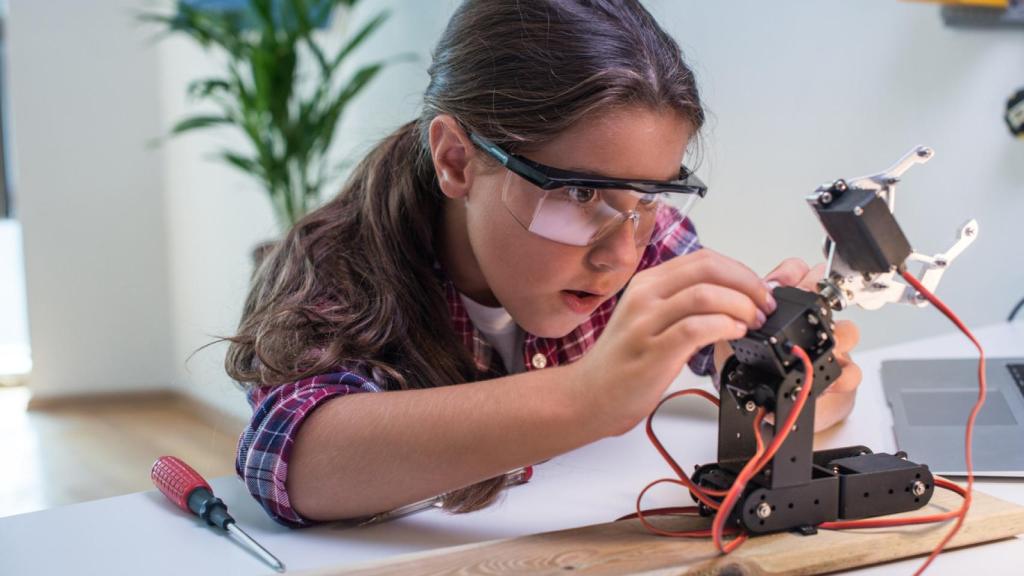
(280, 88)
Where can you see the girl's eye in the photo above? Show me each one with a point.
(581, 195)
(651, 200)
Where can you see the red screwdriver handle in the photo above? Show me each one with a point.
(176, 480)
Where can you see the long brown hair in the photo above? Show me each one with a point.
(353, 283)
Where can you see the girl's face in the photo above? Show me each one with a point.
(495, 261)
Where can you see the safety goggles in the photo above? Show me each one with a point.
(580, 209)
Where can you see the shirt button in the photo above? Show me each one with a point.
(539, 361)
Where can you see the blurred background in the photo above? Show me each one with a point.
(123, 250)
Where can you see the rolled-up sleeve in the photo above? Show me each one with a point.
(676, 235)
(265, 446)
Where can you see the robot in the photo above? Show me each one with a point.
(801, 488)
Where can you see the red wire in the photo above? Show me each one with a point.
(889, 522)
(704, 495)
(762, 457)
(969, 435)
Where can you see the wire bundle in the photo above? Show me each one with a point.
(723, 501)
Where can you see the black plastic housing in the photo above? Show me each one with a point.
(799, 488)
(867, 235)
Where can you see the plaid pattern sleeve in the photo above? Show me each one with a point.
(676, 235)
(265, 445)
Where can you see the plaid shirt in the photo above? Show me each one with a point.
(265, 446)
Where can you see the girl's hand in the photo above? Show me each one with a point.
(837, 401)
(667, 313)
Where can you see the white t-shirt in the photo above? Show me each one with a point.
(500, 331)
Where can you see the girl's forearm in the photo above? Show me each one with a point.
(368, 453)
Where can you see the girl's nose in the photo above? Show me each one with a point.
(617, 249)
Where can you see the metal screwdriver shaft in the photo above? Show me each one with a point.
(190, 492)
(255, 546)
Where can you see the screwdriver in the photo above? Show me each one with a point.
(190, 492)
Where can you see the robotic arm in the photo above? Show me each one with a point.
(800, 488)
(858, 216)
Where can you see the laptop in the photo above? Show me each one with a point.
(931, 400)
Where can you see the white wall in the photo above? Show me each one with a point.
(214, 216)
(15, 358)
(83, 104)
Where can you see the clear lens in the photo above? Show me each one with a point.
(580, 216)
(681, 202)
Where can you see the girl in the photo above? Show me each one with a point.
(509, 277)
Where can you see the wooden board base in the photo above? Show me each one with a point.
(627, 548)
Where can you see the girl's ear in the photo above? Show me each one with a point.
(451, 151)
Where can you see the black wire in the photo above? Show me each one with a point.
(1016, 309)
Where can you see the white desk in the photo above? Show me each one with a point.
(144, 533)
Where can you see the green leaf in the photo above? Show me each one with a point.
(264, 12)
(355, 85)
(288, 127)
(305, 30)
(206, 86)
(358, 39)
(248, 165)
(198, 122)
(206, 28)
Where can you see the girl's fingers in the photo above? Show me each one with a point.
(708, 267)
(831, 409)
(704, 299)
(810, 280)
(695, 332)
(848, 381)
(788, 273)
(847, 336)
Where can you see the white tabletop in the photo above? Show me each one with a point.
(144, 533)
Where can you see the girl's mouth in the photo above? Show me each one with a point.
(580, 301)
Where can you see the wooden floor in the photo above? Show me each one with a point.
(89, 450)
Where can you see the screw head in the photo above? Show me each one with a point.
(858, 211)
(750, 406)
(917, 488)
(764, 510)
(773, 340)
(825, 198)
(840, 185)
